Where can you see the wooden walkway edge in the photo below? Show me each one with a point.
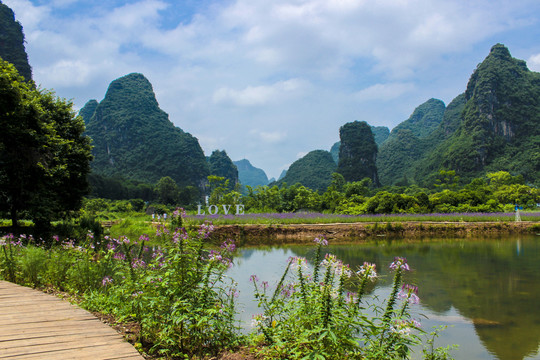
(34, 325)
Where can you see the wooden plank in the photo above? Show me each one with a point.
(34, 325)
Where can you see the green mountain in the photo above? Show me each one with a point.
(133, 138)
(380, 133)
(357, 152)
(499, 124)
(12, 42)
(406, 143)
(314, 171)
(220, 164)
(250, 175)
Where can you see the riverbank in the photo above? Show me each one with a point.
(246, 234)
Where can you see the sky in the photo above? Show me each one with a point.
(271, 80)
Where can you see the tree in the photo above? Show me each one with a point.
(167, 191)
(44, 156)
(221, 165)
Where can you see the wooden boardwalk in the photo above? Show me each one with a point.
(34, 325)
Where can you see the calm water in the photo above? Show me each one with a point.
(486, 291)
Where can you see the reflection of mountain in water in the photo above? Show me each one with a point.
(493, 283)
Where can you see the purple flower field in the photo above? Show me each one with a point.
(314, 217)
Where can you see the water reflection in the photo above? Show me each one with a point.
(488, 290)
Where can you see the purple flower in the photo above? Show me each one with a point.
(369, 270)
(144, 237)
(119, 256)
(229, 246)
(400, 263)
(321, 240)
(106, 281)
(138, 263)
(409, 293)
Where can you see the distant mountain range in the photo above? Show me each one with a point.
(249, 174)
(493, 125)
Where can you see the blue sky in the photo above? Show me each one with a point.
(270, 80)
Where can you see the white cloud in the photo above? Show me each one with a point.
(534, 63)
(289, 70)
(256, 95)
(383, 92)
(270, 137)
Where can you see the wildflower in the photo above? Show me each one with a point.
(56, 238)
(257, 320)
(343, 270)
(144, 237)
(205, 229)
(254, 279)
(138, 263)
(399, 263)
(401, 327)
(119, 256)
(287, 290)
(229, 246)
(329, 260)
(369, 270)
(215, 256)
(321, 240)
(351, 298)
(124, 240)
(106, 281)
(90, 235)
(409, 293)
(298, 262)
(136, 294)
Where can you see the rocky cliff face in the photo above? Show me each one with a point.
(12, 42)
(134, 138)
(357, 152)
(493, 126)
(501, 119)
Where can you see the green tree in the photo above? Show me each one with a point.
(44, 156)
(167, 191)
(220, 164)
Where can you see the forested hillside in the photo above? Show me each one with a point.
(498, 128)
(12, 42)
(133, 138)
(314, 171)
(406, 143)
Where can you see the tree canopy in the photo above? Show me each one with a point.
(221, 165)
(44, 156)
